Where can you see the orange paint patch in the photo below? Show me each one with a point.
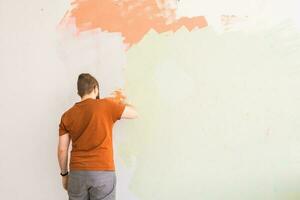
(132, 18)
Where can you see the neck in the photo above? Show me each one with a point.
(88, 97)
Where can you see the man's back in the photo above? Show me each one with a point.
(89, 124)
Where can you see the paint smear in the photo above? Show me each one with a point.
(219, 115)
(132, 18)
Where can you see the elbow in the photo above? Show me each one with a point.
(130, 116)
(62, 151)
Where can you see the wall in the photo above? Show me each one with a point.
(216, 85)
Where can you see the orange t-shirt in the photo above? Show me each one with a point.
(90, 123)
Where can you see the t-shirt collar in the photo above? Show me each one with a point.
(85, 100)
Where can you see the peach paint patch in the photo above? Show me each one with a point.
(132, 18)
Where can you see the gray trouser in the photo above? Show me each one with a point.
(92, 185)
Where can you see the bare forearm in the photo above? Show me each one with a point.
(63, 160)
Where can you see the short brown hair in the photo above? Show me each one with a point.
(86, 83)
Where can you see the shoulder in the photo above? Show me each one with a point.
(107, 100)
(68, 112)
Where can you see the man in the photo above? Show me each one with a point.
(88, 124)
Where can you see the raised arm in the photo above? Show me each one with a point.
(129, 112)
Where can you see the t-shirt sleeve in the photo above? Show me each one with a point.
(116, 109)
(62, 126)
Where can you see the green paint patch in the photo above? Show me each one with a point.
(219, 114)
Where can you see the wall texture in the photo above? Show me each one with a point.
(215, 83)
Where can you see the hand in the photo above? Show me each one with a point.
(118, 96)
(65, 180)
